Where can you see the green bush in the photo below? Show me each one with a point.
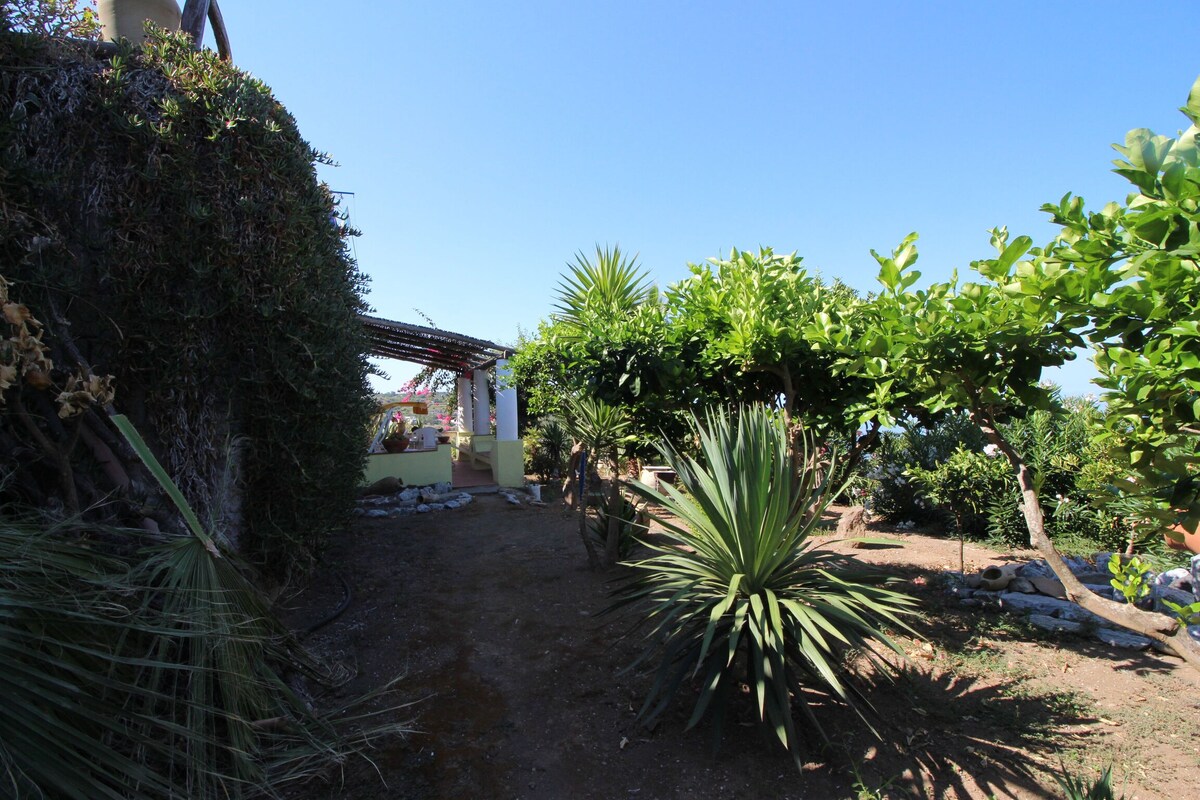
(737, 593)
(1073, 473)
(925, 472)
(548, 446)
(893, 494)
(964, 486)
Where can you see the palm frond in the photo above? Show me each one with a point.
(150, 672)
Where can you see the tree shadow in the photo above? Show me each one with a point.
(1002, 733)
(969, 724)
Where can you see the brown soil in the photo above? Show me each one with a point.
(489, 614)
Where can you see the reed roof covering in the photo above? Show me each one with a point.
(429, 347)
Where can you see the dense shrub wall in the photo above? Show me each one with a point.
(161, 213)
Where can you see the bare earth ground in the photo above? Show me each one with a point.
(489, 614)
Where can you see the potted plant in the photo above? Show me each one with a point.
(1184, 537)
(395, 441)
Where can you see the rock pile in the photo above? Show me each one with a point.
(413, 500)
(1032, 589)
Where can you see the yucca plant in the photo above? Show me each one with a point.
(630, 521)
(601, 428)
(613, 285)
(737, 593)
(551, 447)
(1077, 788)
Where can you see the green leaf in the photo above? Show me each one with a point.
(140, 447)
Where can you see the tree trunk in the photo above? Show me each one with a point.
(581, 486)
(1159, 627)
(571, 482)
(612, 542)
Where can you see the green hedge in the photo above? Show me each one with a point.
(162, 214)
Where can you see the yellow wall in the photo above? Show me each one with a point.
(508, 463)
(414, 467)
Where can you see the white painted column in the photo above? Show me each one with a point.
(483, 422)
(506, 403)
(465, 418)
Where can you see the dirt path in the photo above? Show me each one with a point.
(489, 613)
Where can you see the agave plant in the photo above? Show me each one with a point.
(629, 519)
(1076, 787)
(552, 446)
(737, 593)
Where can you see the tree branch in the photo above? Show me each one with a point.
(1162, 629)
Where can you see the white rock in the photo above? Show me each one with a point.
(423, 509)
(1122, 639)
(1172, 577)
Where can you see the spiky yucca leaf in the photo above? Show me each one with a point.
(738, 575)
(598, 425)
(613, 286)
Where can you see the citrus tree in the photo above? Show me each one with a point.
(1133, 269)
(748, 314)
(732, 332)
(1124, 279)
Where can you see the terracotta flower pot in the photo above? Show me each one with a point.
(124, 18)
(1191, 539)
(396, 444)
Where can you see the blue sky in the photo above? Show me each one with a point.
(487, 142)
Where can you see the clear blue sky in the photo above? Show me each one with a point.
(487, 142)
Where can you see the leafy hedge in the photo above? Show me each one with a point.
(163, 214)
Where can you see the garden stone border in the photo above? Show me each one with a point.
(1058, 615)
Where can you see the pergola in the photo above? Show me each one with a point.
(472, 359)
(429, 347)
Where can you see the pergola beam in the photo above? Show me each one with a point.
(429, 347)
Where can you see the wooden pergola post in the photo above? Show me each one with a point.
(195, 14)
